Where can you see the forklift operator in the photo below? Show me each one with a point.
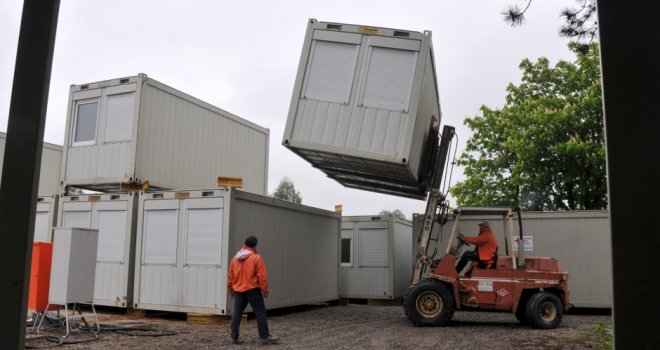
(486, 247)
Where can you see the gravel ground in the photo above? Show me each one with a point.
(349, 327)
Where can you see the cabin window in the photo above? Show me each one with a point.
(85, 128)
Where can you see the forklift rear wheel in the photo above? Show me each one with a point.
(429, 303)
(544, 310)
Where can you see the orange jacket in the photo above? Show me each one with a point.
(485, 242)
(247, 271)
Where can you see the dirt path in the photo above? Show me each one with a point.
(357, 327)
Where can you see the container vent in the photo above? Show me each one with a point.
(84, 87)
(334, 26)
(123, 81)
(401, 34)
(207, 193)
(157, 195)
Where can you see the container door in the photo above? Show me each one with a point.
(159, 277)
(203, 274)
(76, 214)
(373, 258)
(111, 219)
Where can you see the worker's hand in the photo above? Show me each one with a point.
(265, 294)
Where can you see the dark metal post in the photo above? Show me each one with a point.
(631, 71)
(22, 161)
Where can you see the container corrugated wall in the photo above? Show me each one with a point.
(114, 216)
(580, 240)
(363, 105)
(186, 240)
(49, 175)
(136, 129)
(378, 264)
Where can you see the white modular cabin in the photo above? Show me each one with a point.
(376, 259)
(114, 216)
(579, 239)
(45, 218)
(51, 160)
(136, 130)
(186, 240)
(365, 108)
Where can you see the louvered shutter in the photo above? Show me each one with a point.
(330, 71)
(119, 117)
(204, 236)
(373, 248)
(390, 78)
(160, 236)
(112, 235)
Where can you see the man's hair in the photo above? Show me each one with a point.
(251, 241)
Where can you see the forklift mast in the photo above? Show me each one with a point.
(435, 201)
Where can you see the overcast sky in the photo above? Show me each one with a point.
(242, 56)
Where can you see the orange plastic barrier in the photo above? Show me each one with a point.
(42, 255)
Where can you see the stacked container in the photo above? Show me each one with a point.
(186, 240)
(376, 259)
(365, 107)
(135, 130)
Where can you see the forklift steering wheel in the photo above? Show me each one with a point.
(462, 241)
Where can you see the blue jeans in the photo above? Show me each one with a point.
(256, 300)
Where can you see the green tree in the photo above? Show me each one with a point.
(287, 191)
(544, 150)
(396, 213)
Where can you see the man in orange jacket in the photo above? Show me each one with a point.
(247, 282)
(486, 246)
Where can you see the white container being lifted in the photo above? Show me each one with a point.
(365, 107)
(134, 130)
(186, 240)
(376, 257)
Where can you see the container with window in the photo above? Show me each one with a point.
(376, 257)
(365, 107)
(114, 216)
(186, 240)
(136, 130)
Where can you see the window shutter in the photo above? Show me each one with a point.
(330, 71)
(41, 227)
(160, 236)
(204, 236)
(390, 78)
(80, 219)
(112, 235)
(119, 117)
(373, 248)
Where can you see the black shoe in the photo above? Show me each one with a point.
(270, 340)
(234, 340)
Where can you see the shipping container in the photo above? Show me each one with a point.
(45, 218)
(376, 259)
(51, 160)
(115, 218)
(365, 107)
(186, 240)
(136, 130)
(580, 240)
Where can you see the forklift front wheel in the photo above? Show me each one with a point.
(429, 303)
(544, 310)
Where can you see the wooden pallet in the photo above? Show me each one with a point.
(197, 318)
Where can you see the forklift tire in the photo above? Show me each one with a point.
(544, 310)
(429, 303)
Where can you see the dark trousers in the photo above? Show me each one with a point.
(256, 300)
(465, 259)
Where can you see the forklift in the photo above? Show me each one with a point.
(534, 289)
